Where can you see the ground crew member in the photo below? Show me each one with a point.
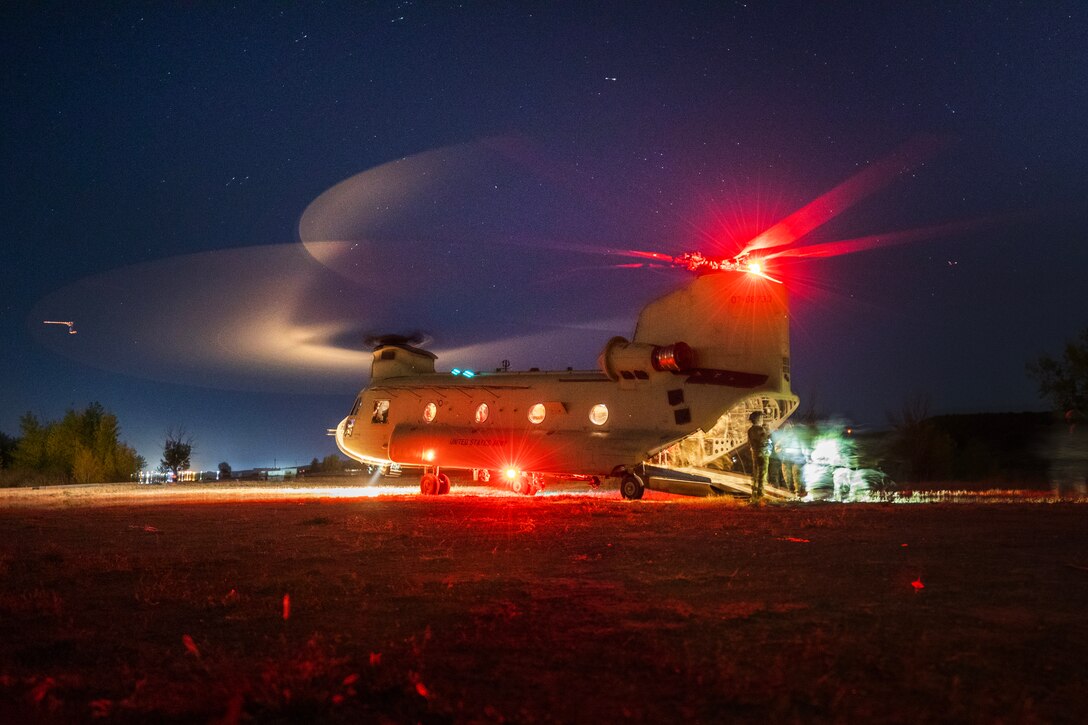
(759, 440)
(791, 456)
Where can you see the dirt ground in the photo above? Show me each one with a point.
(182, 604)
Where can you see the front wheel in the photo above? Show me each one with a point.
(443, 484)
(632, 487)
(428, 485)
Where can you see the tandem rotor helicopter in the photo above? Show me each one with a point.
(701, 358)
(658, 409)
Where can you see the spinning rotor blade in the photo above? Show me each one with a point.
(834, 202)
(878, 241)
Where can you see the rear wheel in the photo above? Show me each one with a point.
(443, 484)
(428, 485)
(632, 487)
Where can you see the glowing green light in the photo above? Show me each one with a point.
(828, 451)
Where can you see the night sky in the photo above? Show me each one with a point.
(226, 200)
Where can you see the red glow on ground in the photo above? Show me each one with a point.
(917, 584)
(190, 645)
(286, 607)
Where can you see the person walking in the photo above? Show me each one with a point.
(790, 452)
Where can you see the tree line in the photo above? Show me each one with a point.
(921, 447)
(82, 447)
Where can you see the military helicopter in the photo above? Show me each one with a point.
(700, 356)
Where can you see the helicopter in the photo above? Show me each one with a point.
(702, 355)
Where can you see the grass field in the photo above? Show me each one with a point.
(187, 604)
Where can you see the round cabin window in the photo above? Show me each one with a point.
(598, 414)
(430, 410)
(537, 413)
(482, 411)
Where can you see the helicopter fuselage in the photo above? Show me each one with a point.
(717, 343)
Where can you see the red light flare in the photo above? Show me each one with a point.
(779, 239)
(745, 213)
(734, 227)
(190, 645)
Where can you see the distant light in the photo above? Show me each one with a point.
(455, 371)
(468, 374)
(71, 325)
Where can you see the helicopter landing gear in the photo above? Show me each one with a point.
(434, 483)
(528, 484)
(632, 487)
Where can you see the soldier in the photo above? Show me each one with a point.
(791, 456)
(759, 440)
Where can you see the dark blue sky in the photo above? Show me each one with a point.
(158, 161)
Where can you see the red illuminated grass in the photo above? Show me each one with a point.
(489, 609)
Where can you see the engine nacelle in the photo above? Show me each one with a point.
(626, 360)
(394, 361)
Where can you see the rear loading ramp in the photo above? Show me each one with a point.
(690, 481)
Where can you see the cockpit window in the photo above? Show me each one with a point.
(381, 412)
(355, 408)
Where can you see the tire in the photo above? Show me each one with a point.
(632, 487)
(428, 485)
(522, 485)
(443, 484)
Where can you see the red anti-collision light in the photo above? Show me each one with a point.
(676, 357)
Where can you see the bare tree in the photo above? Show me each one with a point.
(924, 451)
(177, 450)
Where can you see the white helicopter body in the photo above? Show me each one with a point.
(716, 345)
